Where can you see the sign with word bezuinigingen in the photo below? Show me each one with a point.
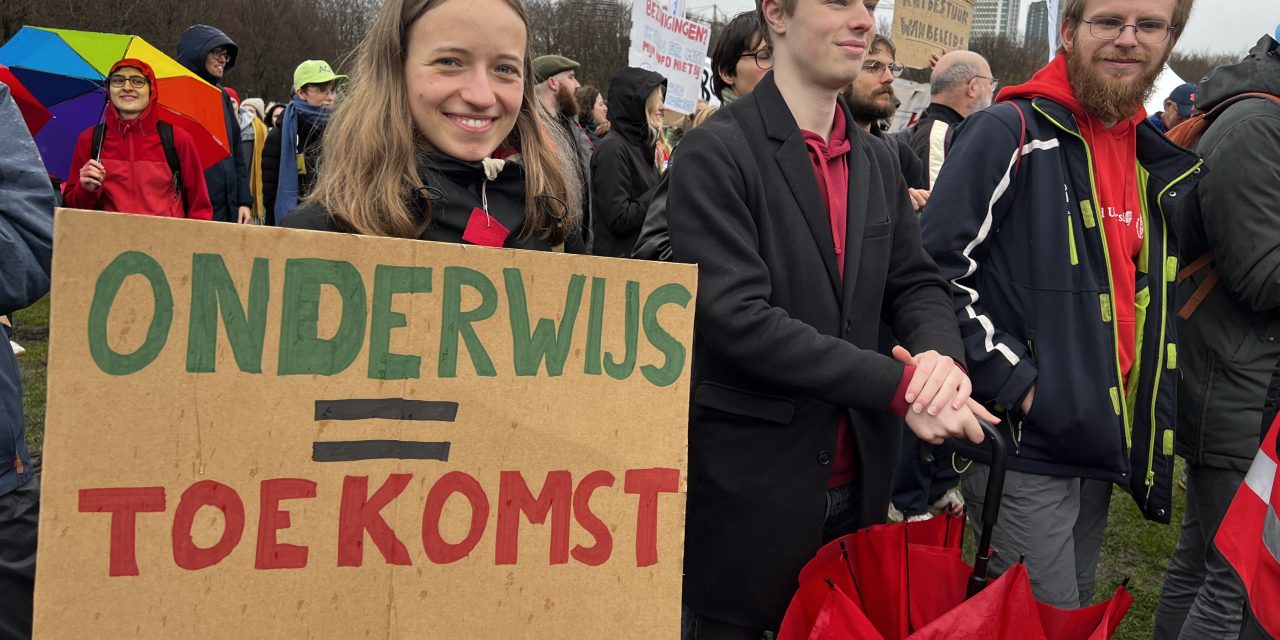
(258, 432)
(672, 46)
(923, 27)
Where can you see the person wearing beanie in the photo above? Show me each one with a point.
(208, 52)
(292, 152)
(253, 139)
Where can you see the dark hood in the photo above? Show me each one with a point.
(628, 90)
(1258, 71)
(196, 43)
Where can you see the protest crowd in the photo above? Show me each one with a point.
(1047, 258)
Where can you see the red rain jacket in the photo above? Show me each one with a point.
(138, 179)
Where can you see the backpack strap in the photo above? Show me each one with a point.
(1022, 136)
(171, 156)
(99, 132)
(1210, 281)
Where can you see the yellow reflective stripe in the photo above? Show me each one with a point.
(1086, 210)
(1172, 356)
(1071, 240)
(1115, 401)
(1168, 442)
(1171, 269)
(1104, 301)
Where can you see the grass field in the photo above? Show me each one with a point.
(1133, 548)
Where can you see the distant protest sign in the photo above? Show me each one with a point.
(923, 27)
(268, 433)
(672, 46)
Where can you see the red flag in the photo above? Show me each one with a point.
(1249, 536)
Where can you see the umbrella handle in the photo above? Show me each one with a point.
(991, 507)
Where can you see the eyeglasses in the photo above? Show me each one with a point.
(1146, 31)
(763, 57)
(875, 68)
(994, 83)
(221, 52)
(137, 82)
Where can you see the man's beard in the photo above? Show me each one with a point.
(1105, 97)
(869, 110)
(568, 103)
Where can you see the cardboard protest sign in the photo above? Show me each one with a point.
(672, 46)
(922, 27)
(258, 432)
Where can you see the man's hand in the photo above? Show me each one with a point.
(950, 423)
(940, 384)
(246, 215)
(1028, 400)
(91, 175)
(919, 198)
(935, 57)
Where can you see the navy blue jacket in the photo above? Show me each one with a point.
(26, 248)
(1016, 233)
(229, 179)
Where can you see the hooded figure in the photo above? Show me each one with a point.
(135, 173)
(624, 174)
(228, 181)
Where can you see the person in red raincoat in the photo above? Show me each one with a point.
(131, 174)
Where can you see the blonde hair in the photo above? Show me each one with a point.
(701, 117)
(368, 165)
(651, 106)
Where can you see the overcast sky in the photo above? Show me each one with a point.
(1226, 26)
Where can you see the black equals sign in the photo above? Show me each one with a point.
(382, 409)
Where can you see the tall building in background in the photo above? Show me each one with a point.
(995, 17)
(1038, 22)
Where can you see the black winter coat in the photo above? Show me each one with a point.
(452, 194)
(228, 180)
(1228, 347)
(784, 346)
(623, 177)
(309, 139)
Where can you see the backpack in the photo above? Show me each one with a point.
(170, 155)
(1186, 135)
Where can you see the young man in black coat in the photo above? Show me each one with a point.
(210, 54)
(806, 246)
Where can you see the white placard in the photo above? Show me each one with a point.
(671, 46)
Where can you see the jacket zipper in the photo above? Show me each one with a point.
(1108, 316)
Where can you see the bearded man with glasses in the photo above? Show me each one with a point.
(1050, 220)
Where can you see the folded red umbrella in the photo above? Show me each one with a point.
(908, 580)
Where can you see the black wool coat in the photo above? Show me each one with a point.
(784, 347)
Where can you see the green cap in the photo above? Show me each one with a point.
(546, 66)
(314, 72)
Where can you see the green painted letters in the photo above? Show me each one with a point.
(623, 370)
(387, 282)
(595, 327)
(302, 350)
(104, 296)
(455, 322)
(212, 291)
(545, 342)
(671, 348)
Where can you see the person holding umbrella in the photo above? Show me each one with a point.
(136, 162)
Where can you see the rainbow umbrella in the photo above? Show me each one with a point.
(66, 71)
(33, 113)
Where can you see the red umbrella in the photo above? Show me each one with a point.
(34, 113)
(908, 580)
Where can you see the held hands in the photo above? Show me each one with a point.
(919, 198)
(91, 175)
(939, 392)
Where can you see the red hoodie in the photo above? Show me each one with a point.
(138, 179)
(1115, 171)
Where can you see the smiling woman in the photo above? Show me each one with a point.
(439, 136)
